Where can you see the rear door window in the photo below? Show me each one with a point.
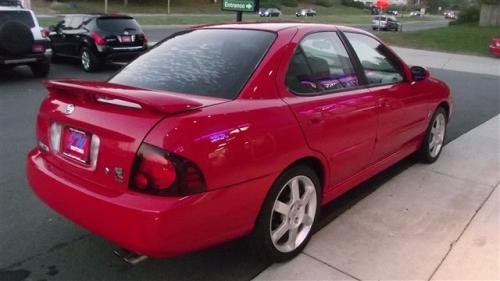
(320, 64)
(117, 25)
(20, 16)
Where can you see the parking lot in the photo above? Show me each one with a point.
(38, 244)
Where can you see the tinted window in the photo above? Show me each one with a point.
(21, 16)
(117, 25)
(210, 62)
(376, 60)
(320, 64)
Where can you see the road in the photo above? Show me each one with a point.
(37, 243)
(156, 34)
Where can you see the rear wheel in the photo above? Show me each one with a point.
(434, 139)
(90, 62)
(288, 215)
(40, 69)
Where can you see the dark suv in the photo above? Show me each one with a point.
(97, 39)
(22, 42)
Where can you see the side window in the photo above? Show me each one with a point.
(320, 64)
(378, 65)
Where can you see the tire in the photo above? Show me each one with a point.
(40, 70)
(302, 215)
(89, 61)
(433, 141)
(15, 38)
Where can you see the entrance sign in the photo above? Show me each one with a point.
(240, 5)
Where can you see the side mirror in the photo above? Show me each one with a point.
(419, 73)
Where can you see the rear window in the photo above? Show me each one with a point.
(117, 25)
(209, 62)
(21, 16)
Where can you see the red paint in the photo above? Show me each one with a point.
(239, 146)
(495, 47)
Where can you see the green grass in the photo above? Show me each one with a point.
(466, 39)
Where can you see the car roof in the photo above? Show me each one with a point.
(279, 26)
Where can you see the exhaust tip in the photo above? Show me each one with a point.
(129, 257)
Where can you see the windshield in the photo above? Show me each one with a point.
(117, 25)
(21, 16)
(208, 62)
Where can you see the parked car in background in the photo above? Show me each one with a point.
(416, 13)
(96, 39)
(261, 11)
(11, 3)
(450, 15)
(386, 22)
(226, 131)
(22, 42)
(305, 13)
(495, 46)
(392, 12)
(271, 12)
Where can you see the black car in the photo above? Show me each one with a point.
(97, 39)
(271, 12)
(305, 13)
(21, 41)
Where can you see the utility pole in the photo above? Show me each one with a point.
(168, 7)
(105, 6)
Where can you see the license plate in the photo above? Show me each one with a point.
(126, 39)
(76, 145)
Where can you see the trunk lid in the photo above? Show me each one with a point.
(94, 129)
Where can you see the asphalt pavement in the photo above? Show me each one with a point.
(38, 244)
(157, 33)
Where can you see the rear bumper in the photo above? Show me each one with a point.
(121, 53)
(26, 59)
(150, 225)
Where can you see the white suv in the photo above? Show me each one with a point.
(22, 42)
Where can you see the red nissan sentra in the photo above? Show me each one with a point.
(225, 131)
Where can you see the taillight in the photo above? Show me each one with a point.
(163, 173)
(98, 39)
(38, 48)
(45, 33)
(145, 38)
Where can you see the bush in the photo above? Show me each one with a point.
(469, 15)
(324, 3)
(289, 3)
(352, 3)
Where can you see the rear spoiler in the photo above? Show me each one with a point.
(125, 96)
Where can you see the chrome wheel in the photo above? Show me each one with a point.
(436, 136)
(86, 60)
(293, 214)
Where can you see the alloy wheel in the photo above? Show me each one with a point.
(436, 136)
(293, 214)
(86, 60)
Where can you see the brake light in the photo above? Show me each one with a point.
(98, 39)
(145, 38)
(163, 173)
(38, 48)
(45, 33)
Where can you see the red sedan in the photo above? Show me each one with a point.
(225, 131)
(495, 47)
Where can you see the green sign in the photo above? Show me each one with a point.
(240, 5)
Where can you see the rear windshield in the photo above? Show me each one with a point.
(117, 25)
(209, 62)
(21, 16)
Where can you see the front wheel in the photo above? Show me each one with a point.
(288, 215)
(434, 139)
